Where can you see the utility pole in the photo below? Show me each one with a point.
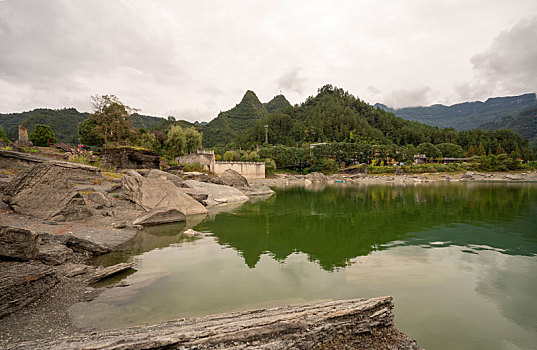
(266, 134)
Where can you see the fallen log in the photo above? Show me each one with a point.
(351, 324)
(106, 272)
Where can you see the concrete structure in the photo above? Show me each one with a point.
(23, 134)
(250, 170)
(202, 157)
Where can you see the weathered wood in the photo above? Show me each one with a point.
(333, 324)
(106, 272)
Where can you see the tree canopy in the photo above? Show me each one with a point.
(42, 136)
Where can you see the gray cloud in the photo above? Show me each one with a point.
(508, 66)
(200, 57)
(291, 81)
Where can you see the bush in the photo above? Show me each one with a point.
(229, 156)
(270, 166)
(253, 157)
(194, 167)
(329, 166)
(42, 135)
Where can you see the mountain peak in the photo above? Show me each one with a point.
(279, 102)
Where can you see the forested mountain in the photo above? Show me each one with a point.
(334, 115)
(64, 122)
(278, 103)
(467, 115)
(524, 123)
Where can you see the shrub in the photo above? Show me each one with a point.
(270, 166)
(229, 156)
(194, 167)
(253, 157)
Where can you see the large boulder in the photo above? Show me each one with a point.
(152, 193)
(129, 158)
(232, 178)
(216, 194)
(18, 244)
(354, 170)
(316, 177)
(44, 191)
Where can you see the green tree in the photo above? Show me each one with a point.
(3, 136)
(451, 150)
(42, 135)
(480, 150)
(429, 150)
(471, 151)
(88, 133)
(270, 166)
(500, 150)
(192, 140)
(147, 140)
(229, 156)
(175, 141)
(111, 118)
(253, 157)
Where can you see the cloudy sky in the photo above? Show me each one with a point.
(192, 59)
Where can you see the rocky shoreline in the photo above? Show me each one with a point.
(57, 217)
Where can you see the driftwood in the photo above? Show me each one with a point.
(329, 325)
(106, 272)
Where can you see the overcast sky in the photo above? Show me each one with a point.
(192, 59)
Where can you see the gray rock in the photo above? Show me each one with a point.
(101, 198)
(106, 272)
(151, 193)
(158, 174)
(119, 224)
(129, 158)
(257, 191)
(44, 191)
(18, 244)
(216, 194)
(316, 177)
(399, 171)
(354, 170)
(232, 178)
(195, 175)
(22, 284)
(159, 216)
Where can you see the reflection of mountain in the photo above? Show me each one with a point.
(339, 223)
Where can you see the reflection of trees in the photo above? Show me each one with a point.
(340, 223)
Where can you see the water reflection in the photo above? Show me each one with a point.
(334, 224)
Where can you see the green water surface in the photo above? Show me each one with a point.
(459, 259)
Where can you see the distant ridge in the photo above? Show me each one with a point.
(229, 125)
(466, 115)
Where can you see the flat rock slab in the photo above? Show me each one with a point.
(216, 194)
(334, 324)
(44, 191)
(23, 283)
(106, 272)
(159, 216)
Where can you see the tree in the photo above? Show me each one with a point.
(229, 156)
(480, 150)
(111, 118)
(500, 150)
(88, 133)
(42, 136)
(3, 136)
(192, 140)
(253, 157)
(430, 150)
(175, 141)
(471, 151)
(451, 150)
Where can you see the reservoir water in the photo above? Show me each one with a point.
(459, 259)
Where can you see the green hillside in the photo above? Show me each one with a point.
(64, 122)
(278, 103)
(229, 125)
(524, 123)
(467, 115)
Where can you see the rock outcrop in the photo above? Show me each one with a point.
(129, 158)
(316, 177)
(234, 179)
(23, 283)
(152, 193)
(354, 170)
(216, 194)
(344, 324)
(159, 216)
(18, 244)
(44, 191)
